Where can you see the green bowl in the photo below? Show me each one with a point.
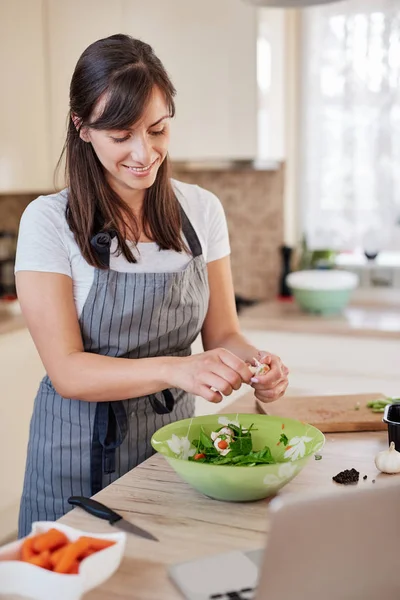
(323, 292)
(240, 483)
(322, 302)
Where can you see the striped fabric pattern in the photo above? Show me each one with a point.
(129, 315)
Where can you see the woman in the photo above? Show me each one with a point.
(116, 276)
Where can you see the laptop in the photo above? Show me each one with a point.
(344, 545)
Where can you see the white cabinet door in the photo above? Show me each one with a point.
(335, 364)
(209, 50)
(21, 371)
(72, 26)
(24, 98)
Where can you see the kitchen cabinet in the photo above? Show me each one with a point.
(335, 364)
(21, 371)
(209, 49)
(212, 62)
(72, 26)
(24, 98)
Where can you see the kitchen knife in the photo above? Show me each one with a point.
(103, 512)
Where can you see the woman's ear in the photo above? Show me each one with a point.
(83, 131)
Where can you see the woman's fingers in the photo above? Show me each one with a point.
(271, 395)
(236, 364)
(209, 394)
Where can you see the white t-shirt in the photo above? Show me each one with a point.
(45, 242)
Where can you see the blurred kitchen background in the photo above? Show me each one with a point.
(290, 115)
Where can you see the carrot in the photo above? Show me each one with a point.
(41, 560)
(27, 550)
(74, 570)
(97, 543)
(72, 553)
(51, 540)
(55, 557)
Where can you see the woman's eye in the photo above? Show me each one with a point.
(158, 132)
(119, 140)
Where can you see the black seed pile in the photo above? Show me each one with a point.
(347, 477)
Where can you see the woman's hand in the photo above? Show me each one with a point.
(202, 374)
(272, 385)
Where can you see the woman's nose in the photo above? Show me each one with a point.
(141, 150)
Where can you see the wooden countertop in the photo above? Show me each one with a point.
(190, 525)
(364, 317)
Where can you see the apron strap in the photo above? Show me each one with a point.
(159, 407)
(110, 429)
(101, 243)
(191, 235)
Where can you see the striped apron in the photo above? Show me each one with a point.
(77, 447)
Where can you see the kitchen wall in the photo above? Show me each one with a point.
(253, 204)
(11, 208)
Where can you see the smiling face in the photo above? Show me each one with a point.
(131, 157)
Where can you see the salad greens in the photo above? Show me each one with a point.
(378, 406)
(284, 439)
(238, 448)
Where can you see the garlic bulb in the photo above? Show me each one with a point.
(388, 461)
(259, 368)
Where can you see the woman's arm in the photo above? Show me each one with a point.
(49, 310)
(221, 329)
(48, 307)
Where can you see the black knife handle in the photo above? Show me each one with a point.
(95, 508)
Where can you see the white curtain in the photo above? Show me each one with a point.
(350, 163)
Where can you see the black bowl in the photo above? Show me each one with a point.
(392, 418)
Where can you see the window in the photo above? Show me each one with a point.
(350, 148)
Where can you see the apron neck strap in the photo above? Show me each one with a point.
(190, 235)
(101, 242)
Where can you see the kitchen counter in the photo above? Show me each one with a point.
(368, 315)
(190, 525)
(224, 165)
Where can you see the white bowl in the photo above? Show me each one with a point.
(322, 280)
(30, 581)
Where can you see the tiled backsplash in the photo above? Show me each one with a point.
(253, 203)
(11, 208)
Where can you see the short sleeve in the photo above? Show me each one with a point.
(41, 245)
(218, 245)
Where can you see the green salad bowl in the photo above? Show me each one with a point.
(235, 483)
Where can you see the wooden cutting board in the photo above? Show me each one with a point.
(329, 413)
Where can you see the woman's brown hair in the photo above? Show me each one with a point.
(125, 71)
